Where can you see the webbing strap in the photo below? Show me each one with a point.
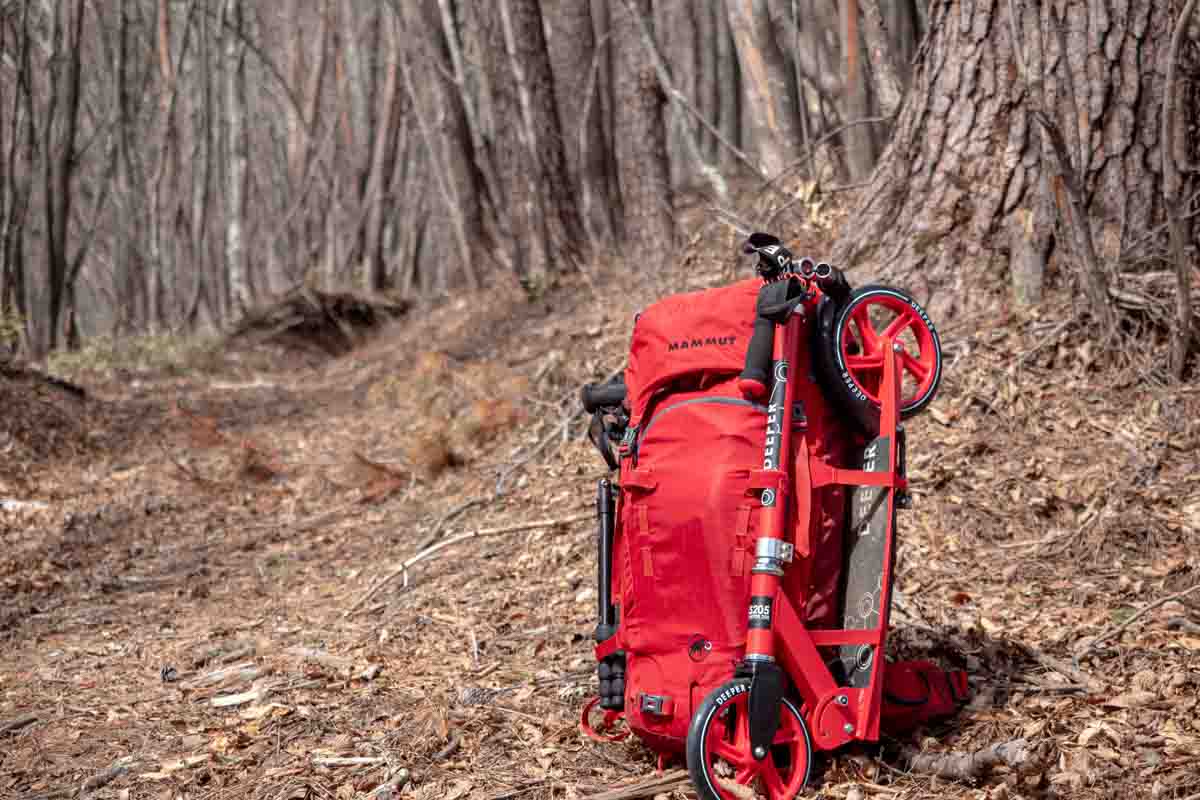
(644, 530)
(639, 479)
(741, 550)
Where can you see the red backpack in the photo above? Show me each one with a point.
(683, 543)
(678, 534)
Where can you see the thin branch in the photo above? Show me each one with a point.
(429, 552)
(1119, 629)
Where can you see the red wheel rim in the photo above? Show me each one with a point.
(727, 760)
(861, 346)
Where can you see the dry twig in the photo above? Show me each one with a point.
(430, 551)
(659, 784)
(1118, 629)
(14, 725)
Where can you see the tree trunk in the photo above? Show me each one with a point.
(573, 57)
(20, 145)
(60, 163)
(236, 149)
(768, 84)
(708, 93)
(444, 122)
(969, 172)
(902, 23)
(858, 102)
(729, 85)
(640, 138)
(381, 161)
(529, 141)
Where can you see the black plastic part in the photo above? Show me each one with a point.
(596, 396)
(611, 672)
(835, 285)
(605, 513)
(599, 432)
(776, 302)
(758, 353)
(766, 697)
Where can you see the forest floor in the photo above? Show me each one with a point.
(195, 598)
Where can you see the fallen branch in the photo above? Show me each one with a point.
(432, 538)
(1119, 629)
(102, 779)
(14, 725)
(243, 671)
(450, 749)
(321, 657)
(969, 766)
(1064, 668)
(1182, 624)
(428, 552)
(389, 790)
(355, 761)
(660, 784)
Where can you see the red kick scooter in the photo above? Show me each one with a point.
(798, 690)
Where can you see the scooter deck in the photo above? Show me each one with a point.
(862, 573)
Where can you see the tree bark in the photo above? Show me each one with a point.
(768, 85)
(17, 189)
(729, 83)
(708, 93)
(60, 162)
(546, 222)
(858, 102)
(969, 173)
(640, 137)
(236, 148)
(573, 59)
(444, 122)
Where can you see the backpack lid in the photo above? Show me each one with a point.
(703, 332)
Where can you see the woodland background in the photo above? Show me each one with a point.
(166, 165)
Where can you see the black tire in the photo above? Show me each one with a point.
(709, 713)
(833, 326)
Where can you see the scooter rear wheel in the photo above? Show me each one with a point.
(718, 749)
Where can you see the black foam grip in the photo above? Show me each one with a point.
(595, 396)
(756, 374)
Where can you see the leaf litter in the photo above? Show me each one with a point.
(180, 587)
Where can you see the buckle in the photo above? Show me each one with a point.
(659, 705)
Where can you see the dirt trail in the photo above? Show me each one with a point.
(180, 619)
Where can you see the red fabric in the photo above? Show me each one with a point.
(689, 336)
(916, 692)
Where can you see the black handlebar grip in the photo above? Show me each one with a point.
(755, 376)
(595, 396)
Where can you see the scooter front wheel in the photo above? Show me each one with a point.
(718, 749)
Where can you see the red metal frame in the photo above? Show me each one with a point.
(835, 714)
